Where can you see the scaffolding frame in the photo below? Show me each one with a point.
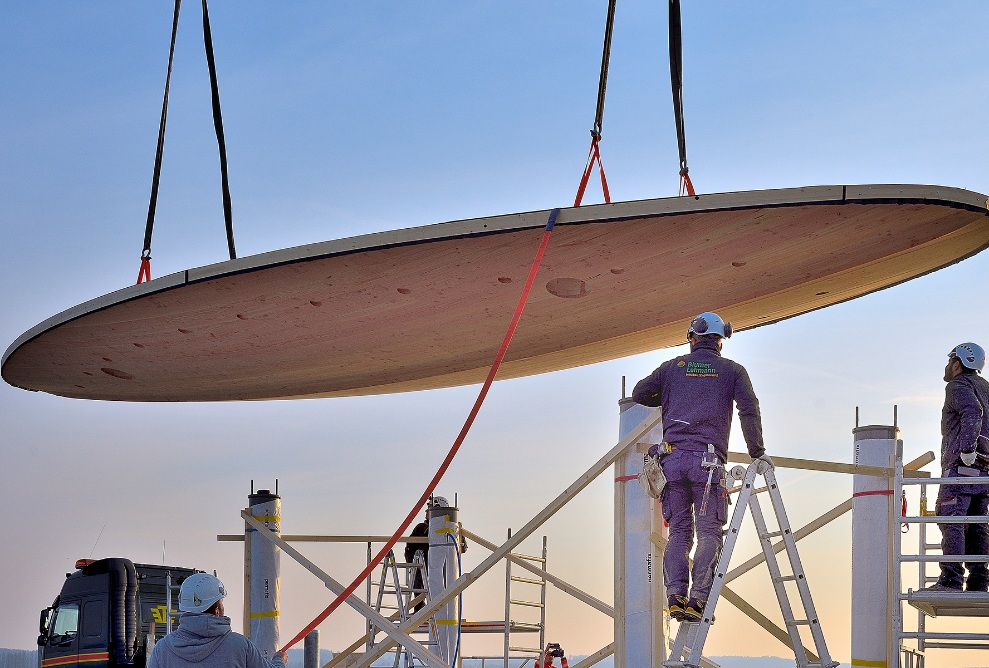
(398, 634)
(930, 604)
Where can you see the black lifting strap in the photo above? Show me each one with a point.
(676, 79)
(146, 251)
(217, 124)
(603, 80)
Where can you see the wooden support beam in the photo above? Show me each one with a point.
(308, 538)
(467, 579)
(339, 657)
(826, 466)
(591, 659)
(398, 636)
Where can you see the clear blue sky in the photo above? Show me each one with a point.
(343, 120)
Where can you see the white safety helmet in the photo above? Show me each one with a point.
(439, 502)
(199, 592)
(971, 355)
(709, 323)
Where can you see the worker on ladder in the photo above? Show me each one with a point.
(697, 392)
(964, 453)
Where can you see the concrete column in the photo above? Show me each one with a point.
(441, 571)
(872, 595)
(311, 650)
(640, 629)
(265, 571)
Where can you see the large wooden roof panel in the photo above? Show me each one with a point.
(426, 307)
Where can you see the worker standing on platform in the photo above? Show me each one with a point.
(204, 638)
(964, 448)
(697, 392)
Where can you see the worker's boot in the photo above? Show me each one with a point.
(976, 584)
(677, 604)
(694, 610)
(939, 588)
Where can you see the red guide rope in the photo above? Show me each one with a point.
(453, 450)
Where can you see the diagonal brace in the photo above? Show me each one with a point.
(357, 604)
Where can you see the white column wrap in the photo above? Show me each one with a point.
(639, 592)
(440, 573)
(875, 445)
(265, 573)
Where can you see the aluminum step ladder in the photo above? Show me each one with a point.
(392, 583)
(691, 636)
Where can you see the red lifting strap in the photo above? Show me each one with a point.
(686, 187)
(373, 563)
(594, 154)
(144, 273)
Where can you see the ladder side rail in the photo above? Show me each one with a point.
(400, 592)
(922, 568)
(402, 656)
(797, 568)
(779, 587)
(679, 644)
(369, 629)
(542, 600)
(895, 558)
(508, 605)
(382, 578)
(745, 495)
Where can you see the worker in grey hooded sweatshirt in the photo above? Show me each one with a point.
(204, 638)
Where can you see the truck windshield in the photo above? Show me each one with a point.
(66, 621)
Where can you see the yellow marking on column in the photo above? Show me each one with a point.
(446, 622)
(267, 518)
(444, 530)
(262, 615)
(869, 664)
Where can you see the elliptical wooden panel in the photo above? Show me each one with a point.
(427, 307)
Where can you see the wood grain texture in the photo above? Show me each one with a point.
(427, 307)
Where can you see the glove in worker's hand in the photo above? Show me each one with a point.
(968, 458)
(766, 459)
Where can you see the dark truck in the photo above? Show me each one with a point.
(109, 613)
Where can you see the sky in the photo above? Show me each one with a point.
(344, 119)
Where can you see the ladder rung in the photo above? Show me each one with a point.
(531, 604)
(529, 557)
(771, 534)
(798, 622)
(529, 580)
(525, 649)
(785, 578)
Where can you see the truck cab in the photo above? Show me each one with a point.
(109, 613)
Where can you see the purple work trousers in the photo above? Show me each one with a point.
(682, 500)
(957, 501)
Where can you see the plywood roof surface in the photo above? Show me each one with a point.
(427, 307)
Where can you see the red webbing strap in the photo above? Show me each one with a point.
(686, 187)
(144, 273)
(453, 450)
(593, 155)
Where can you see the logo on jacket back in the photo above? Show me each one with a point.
(700, 370)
